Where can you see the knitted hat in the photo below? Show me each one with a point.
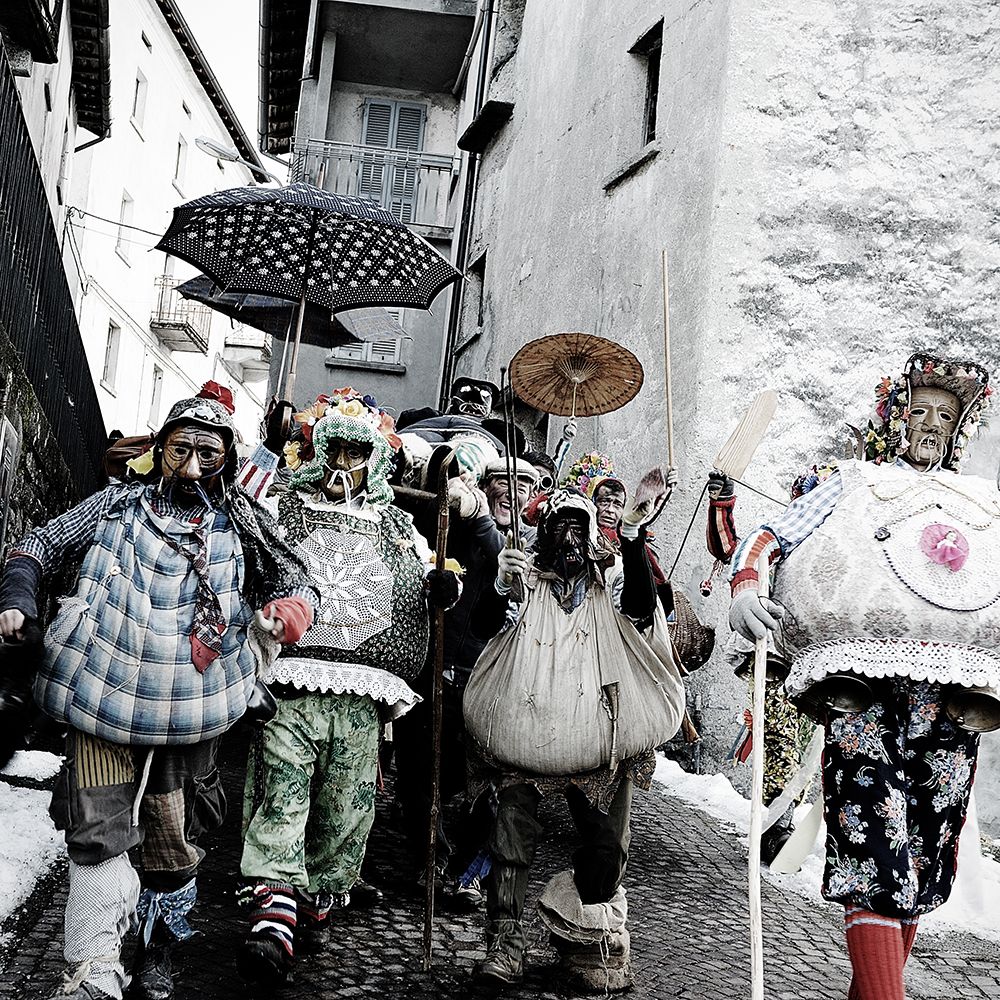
(968, 381)
(348, 415)
(208, 413)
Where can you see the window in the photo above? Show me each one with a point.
(63, 177)
(146, 41)
(185, 109)
(154, 399)
(180, 161)
(649, 48)
(392, 180)
(376, 352)
(47, 96)
(138, 101)
(111, 355)
(124, 221)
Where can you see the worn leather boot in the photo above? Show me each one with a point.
(154, 976)
(503, 964)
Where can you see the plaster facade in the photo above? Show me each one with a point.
(822, 178)
(115, 271)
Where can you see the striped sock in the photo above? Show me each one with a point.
(875, 944)
(909, 929)
(273, 912)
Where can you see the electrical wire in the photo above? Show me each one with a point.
(766, 496)
(113, 222)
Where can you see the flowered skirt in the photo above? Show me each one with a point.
(896, 785)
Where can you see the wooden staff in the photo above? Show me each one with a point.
(666, 365)
(757, 797)
(436, 712)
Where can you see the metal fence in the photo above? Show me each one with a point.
(183, 324)
(36, 308)
(413, 185)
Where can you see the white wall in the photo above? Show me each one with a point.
(139, 158)
(49, 118)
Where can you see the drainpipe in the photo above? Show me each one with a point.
(468, 201)
(467, 58)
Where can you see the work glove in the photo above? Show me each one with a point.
(752, 616)
(651, 496)
(511, 562)
(720, 486)
(443, 588)
(467, 500)
(277, 425)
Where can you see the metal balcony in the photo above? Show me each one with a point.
(414, 186)
(178, 323)
(249, 351)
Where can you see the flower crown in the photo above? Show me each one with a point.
(587, 468)
(346, 402)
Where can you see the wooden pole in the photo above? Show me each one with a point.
(757, 798)
(666, 364)
(437, 712)
(293, 364)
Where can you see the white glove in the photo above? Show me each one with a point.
(511, 562)
(654, 490)
(569, 429)
(752, 616)
(469, 501)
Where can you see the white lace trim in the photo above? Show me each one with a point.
(343, 678)
(939, 662)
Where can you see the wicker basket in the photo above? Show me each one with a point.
(693, 642)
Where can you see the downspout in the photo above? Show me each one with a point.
(470, 48)
(263, 57)
(468, 201)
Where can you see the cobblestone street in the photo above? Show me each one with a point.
(687, 914)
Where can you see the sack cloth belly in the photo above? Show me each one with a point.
(900, 580)
(118, 654)
(563, 694)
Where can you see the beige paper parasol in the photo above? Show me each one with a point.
(575, 375)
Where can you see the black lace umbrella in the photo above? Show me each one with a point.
(274, 315)
(306, 245)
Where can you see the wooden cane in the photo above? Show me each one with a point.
(437, 698)
(666, 365)
(757, 797)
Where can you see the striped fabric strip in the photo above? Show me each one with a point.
(100, 764)
(745, 578)
(720, 531)
(257, 472)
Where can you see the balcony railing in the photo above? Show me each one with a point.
(414, 186)
(249, 351)
(178, 323)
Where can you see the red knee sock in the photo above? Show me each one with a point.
(909, 929)
(875, 944)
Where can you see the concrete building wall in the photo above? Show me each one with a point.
(823, 183)
(117, 272)
(46, 98)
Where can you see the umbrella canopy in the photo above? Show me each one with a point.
(300, 242)
(272, 315)
(575, 375)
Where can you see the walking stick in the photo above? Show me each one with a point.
(437, 696)
(757, 797)
(666, 365)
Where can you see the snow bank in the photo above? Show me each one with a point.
(29, 843)
(974, 906)
(35, 764)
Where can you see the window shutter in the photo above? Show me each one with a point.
(377, 131)
(386, 351)
(408, 135)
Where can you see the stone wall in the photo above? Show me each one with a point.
(824, 178)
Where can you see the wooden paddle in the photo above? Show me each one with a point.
(736, 453)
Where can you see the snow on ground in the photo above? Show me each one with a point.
(29, 843)
(974, 906)
(34, 764)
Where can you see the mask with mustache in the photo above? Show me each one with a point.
(933, 421)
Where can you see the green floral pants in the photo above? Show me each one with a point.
(310, 792)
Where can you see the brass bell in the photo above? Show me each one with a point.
(842, 693)
(976, 709)
(776, 667)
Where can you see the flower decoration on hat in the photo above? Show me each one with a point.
(885, 437)
(351, 416)
(589, 471)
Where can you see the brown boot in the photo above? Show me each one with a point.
(503, 964)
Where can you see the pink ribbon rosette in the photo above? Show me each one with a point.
(944, 545)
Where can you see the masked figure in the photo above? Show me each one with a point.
(886, 598)
(148, 663)
(310, 791)
(573, 698)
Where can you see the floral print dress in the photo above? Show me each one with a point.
(896, 785)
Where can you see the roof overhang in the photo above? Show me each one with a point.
(210, 83)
